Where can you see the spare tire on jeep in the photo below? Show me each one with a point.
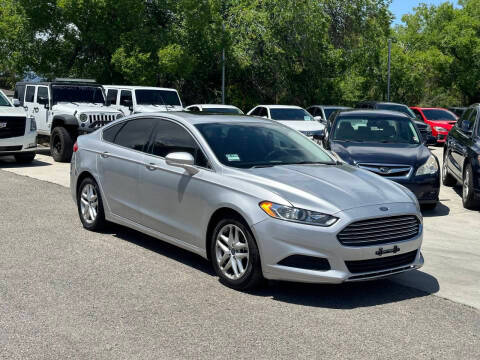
(61, 144)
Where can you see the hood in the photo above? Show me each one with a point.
(445, 124)
(374, 153)
(326, 188)
(155, 108)
(304, 126)
(12, 111)
(71, 108)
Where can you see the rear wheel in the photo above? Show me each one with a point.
(61, 144)
(468, 193)
(447, 178)
(235, 256)
(90, 205)
(24, 158)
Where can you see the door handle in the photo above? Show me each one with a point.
(35, 109)
(105, 155)
(151, 167)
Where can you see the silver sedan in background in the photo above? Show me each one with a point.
(258, 199)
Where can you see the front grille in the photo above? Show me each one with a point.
(384, 263)
(388, 170)
(380, 231)
(11, 148)
(99, 120)
(12, 126)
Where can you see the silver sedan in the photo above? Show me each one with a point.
(256, 198)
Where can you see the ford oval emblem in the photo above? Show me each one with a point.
(384, 208)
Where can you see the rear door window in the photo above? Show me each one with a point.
(126, 98)
(42, 92)
(134, 134)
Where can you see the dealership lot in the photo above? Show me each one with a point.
(72, 293)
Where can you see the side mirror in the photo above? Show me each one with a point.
(320, 119)
(183, 160)
(16, 103)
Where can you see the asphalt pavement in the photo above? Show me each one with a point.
(69, 293)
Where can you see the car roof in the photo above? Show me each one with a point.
(281, 106)
(196, 118)
(367, 112)
(331, 106)
(131, 87)
(218, 106)
(428, 108)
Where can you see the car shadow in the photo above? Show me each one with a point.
(8, 162)
(440, 210)
(342, 296)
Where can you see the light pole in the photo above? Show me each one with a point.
(223, 63)
(389, 61)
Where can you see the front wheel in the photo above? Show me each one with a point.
(90, 205)
(468, 193)
(61, 144)
(235, 256)
(24, 158)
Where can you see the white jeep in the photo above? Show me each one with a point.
(142, 99)
(18, 133)
(64, 109)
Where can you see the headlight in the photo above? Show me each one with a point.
(439, 128)
(430, 167)
(33, 124)
(119, 116)
(297, 215)
(83, 117)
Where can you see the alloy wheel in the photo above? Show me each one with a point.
(231, 251)
(445, 169)
(466, 184)
(89, 203)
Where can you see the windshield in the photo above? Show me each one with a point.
(157, 97)
(376, 130)
(77, 94)
(287, 114)
(247, 145)
(439, 115)
(4, 101)
(404, 109)
(223, 110)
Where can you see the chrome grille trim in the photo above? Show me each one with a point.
(380, 231)
(99, 120)
(396, 171)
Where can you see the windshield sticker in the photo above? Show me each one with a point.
(306, 118)
(232, 157)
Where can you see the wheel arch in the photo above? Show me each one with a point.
(67, 121)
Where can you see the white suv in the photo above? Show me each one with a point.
(18, 133)
(142, 99)
(64, 109)
(292, 116)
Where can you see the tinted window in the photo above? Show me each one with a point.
(246, 145)
(170, 137)
(135, 134)
(19, 92)
(262, 111)
(222, 110)
(157, 97)
(126, 98)
(287, 114)
(376, 130)
(468, 123)
(418, 116)
(404, 109)
(330, 111)
(465, 117)
(313, 111)
(255, 112)
(110, 133)
(42, 92)
(439, 114)
(77, 94)
(30, 94)
(112, 96)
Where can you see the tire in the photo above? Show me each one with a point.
(90, 205)
(61, 145)
(245, 272)
(468, 193)
(447, 178)
(428, 207)
(24, 158)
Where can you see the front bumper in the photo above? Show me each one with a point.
(19, 145)
(426, 187)
(441, 136)
(277, 240)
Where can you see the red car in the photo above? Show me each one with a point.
(441, 120)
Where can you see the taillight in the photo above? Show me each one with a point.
(75, 147)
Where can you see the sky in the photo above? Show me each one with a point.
(402, 7)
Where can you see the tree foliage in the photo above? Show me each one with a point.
(277, 51)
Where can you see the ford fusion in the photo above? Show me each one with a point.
(258, 199)
(388, 144)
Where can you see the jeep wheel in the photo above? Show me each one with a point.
(24, 158)
(61, 144)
